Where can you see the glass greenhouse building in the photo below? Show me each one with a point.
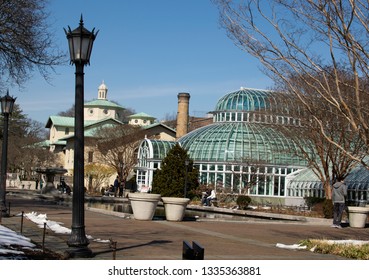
(242, 151)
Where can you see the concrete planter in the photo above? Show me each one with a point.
(358, 216)
(143, 205)
(175, 208)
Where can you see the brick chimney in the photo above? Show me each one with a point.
(182, 114)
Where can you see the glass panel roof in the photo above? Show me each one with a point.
(246, 100)
(240, 141)
(357, 178)
(158, 148)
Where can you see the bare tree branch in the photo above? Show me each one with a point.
(314, 41)
(26, 41)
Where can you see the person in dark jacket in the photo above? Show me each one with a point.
(116, 186)
(339, 193)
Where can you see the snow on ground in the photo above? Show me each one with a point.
(41, 219)
(11, 242)
(329, 242)
(292, 247)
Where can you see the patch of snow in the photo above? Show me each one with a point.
(10, 239)
(329, 242)
(291, 247)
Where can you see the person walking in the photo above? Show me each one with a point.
(339, 193)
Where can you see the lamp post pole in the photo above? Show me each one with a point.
(7, 103)
(80, 46)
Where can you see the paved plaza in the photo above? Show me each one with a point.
(159, 239)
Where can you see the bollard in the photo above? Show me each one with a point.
(9, 209)
(194, 252)
(22, 222)
(113, 244)
(43, 239)
(187, 251)
(198, 251)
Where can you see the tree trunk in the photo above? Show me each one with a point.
(327, 189)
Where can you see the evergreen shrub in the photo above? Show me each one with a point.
(170, 179)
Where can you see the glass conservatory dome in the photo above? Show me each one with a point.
(243, 131)
(230, 142)
(246, 100)
(242, 151)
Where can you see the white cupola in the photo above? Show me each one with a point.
(103, 91)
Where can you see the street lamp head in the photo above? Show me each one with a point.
(80, 42)
(7, 103)
(187, 162)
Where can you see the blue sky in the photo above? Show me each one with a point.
(146, 52)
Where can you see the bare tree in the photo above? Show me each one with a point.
(96, 175)
(68, 113)
(126, 113)
(312, 40)
(325, 159)
(26, 41)
(25, 151)
(117, 146)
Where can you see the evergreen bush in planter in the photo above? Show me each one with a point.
(170, 179)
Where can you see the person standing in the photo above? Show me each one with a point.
(116, 186)
(339, 193)
(121, 188)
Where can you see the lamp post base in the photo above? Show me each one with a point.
(78, 243)
(3, 212)
(79, 252)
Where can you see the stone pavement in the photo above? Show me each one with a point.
(162, 240)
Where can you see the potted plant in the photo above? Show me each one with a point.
(175, 181)
(358, 216)
(175, 208)
(143, 205)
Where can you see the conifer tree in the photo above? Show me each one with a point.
(170, 179)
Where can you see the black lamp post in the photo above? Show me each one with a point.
(80, 42)
(187, 162)
(7, 104)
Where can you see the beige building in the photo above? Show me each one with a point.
(98, 113)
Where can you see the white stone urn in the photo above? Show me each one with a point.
(358, 216)
(143, 205)
(175, 208)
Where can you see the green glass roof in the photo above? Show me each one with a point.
(246, 100)
(357, 179)
(158, 148)
(240, 141)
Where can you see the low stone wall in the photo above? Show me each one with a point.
(28, 185)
